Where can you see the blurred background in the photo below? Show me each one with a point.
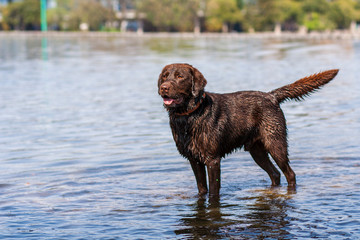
(86, 151)
(182, 15)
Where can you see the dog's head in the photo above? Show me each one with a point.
(179, 83)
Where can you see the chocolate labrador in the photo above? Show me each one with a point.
(208, 126)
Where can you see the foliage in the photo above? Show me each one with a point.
(342, 12)
(183, 15)
(4, 25)
(316, 15)
(57, 17)
(264, 14)
(319, 6)
(91, 12)
(315, 21)
(22, 15)
(222, 12)
(169, 15)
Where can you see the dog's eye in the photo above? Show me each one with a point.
(165, 75)
(180, 76)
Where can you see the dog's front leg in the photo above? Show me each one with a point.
(213, 168)
(200, 175)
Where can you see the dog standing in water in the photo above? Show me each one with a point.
(207, 126)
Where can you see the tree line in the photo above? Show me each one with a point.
(187, 15)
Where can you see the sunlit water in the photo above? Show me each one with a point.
(86, 151)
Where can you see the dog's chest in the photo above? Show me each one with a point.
(190, 138)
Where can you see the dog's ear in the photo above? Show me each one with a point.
(199, 82)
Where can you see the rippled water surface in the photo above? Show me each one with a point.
(86, 151)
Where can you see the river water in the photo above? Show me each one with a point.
(86, 151)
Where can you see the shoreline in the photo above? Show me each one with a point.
(334, 35)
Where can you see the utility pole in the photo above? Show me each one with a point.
(43, 16)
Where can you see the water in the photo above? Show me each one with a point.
(86, 151)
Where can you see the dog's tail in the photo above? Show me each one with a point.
(303, 87)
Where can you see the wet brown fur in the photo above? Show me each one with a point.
(222, 123)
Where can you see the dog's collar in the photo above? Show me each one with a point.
(194, 109)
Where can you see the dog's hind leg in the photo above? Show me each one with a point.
(274, 138)
(278, 151)
(261, 157)
(200, 175)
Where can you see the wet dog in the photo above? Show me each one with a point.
(207, 126)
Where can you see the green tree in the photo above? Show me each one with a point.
(90, 12)
(266, 14)
(56, 17)
(169, 15)
(23, 15)
(316, 15)
(343, 12)
(252, 20)
(3, 25)
(221, 13)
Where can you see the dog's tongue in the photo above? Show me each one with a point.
(168, 101)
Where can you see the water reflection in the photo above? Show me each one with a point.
(205, 222)
(44, 48)
(265, 215)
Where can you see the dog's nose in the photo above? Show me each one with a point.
(165, 87)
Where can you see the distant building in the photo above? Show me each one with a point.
(125, 11)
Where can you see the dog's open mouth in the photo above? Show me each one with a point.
(172, 101)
